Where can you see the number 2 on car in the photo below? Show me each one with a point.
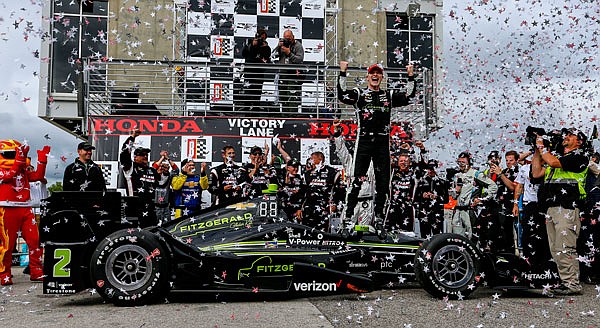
(63, 255)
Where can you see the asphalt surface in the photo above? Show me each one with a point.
(24, 305)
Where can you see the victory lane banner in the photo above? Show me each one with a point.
(202, 138)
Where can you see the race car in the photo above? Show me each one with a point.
(92, 240)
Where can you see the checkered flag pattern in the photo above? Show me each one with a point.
(197, 149)
(106, 173)
(222, 46)
(268, 6)
(234, 22)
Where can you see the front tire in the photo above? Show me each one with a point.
(448, 265)
(130, 268)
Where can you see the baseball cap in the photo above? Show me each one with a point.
(432, 164)
(494, 154)
(141, 151)
(293, 162)
(375, 67)
(256, 150)
(580, 135)
(85, 145)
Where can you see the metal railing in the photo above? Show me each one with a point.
(209, 89)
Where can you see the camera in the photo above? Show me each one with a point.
(258, 39)
(552, 139)
(285, 42)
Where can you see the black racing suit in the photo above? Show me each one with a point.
(401, 214)
(430, 211)
(227, 174)
(322, 191)
(373, 112)
(142, 181)
(264, 175)
(291, 194)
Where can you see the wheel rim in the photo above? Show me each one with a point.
(453, 266)
(127, 268)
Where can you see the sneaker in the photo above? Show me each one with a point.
(563, 289)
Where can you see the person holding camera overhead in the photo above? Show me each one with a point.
(562, 193)
(256, 52)
(290, 51)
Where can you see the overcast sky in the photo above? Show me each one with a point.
(508, 64)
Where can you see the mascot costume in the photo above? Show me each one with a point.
(15, 209)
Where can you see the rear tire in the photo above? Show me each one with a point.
(448, 265)
(130, 268)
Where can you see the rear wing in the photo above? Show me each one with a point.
(71, 225)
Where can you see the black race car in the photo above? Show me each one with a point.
(92, 240)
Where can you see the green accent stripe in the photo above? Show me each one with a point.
(281, 253)
(384, 245)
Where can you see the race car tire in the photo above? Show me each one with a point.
(448, 265)
(130, 268)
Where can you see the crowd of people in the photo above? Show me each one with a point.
(504, 209)
(543, 205)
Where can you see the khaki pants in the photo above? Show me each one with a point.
(563, 229)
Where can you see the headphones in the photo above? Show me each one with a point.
(467, 155)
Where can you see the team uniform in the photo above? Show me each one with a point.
(401, 214)
(291, 194)
(141, 182)
(224, 175)
(265, 175)
(373, 113)
(430, 211)
(322, 191)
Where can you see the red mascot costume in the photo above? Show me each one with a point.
(15, 211)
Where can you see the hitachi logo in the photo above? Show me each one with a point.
(316, 286)
(537, 276)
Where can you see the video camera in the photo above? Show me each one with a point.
(285, 42)
(552, 139)
(258, 38)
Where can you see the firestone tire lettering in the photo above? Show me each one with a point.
(133, 267)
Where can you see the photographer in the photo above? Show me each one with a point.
(561, 194)
(256, 52)
(290, 51)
